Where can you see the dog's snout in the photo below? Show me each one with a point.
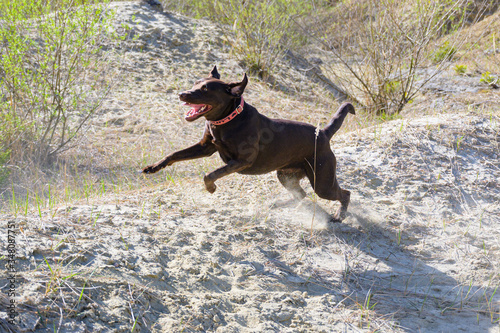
(184, 96)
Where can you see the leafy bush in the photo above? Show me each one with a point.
(260, 32)
(379, 51)
(51, 81)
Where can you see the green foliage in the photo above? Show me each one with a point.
(384, 116)
(391, 86)
(50, 83)
(261, 31)
(460, 69)
(489, 79)
(380, 50)
(4, 158)
(444, 53)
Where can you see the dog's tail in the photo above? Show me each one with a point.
(337, 120)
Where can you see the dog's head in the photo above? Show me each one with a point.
(211, 97)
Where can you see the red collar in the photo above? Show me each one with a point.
(236, 112)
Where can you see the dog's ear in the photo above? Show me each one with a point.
(214, 73)
(236, 88)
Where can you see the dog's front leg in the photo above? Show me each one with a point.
(231, 167)
(201, 149)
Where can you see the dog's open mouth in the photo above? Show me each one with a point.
(196, 111)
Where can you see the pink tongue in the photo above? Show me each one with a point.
(194, 108)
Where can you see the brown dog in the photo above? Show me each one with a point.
(250, 143)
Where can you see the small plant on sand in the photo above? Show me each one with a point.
(65, 284)
(57, 275)
(366, 308)
(459, 142)
(489, 79)
(460, 69)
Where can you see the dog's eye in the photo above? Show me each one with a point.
(204, 88)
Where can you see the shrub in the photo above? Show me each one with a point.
(260, 32)
(379, 51)
(51, 81)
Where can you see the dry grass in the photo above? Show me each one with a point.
(482, 52)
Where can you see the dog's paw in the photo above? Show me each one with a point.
(210, 187)
(339, 216)
(209, 184)
(334, 219)
(150, 169)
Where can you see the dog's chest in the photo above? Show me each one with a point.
(223, 144)
(219, 144)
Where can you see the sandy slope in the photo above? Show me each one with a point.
(419, 252)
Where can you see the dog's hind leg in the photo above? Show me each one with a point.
(290, 179)
(325, 185)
